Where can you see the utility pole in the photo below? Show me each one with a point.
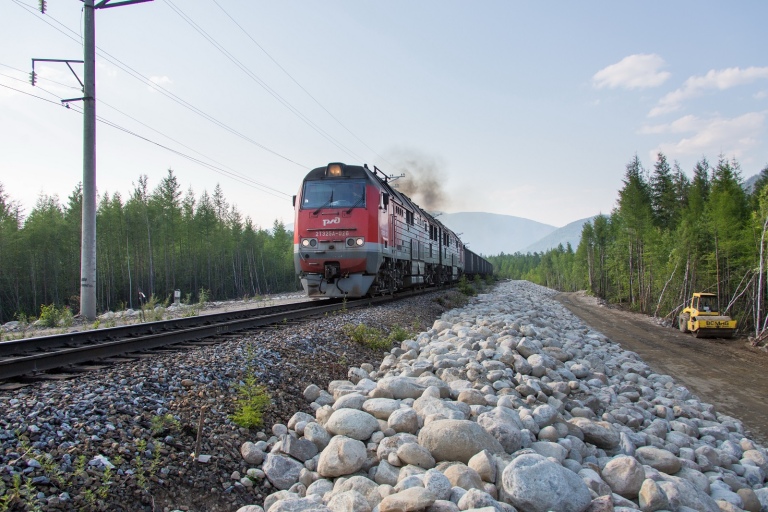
(88, 233)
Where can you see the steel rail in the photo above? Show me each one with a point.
(59, 351)
(26, 345)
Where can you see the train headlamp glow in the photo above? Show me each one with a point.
(352, 242)
(334, 170)
(309, 242)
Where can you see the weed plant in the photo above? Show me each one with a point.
(163, 423)
(52, 316)
(465, 287)
(452, 299)
(252, 399)
(374, 338)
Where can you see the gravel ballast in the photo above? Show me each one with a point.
(508, 403)
(123, 437)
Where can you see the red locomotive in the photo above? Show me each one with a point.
(355, 235)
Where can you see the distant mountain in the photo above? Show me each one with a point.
(749, 183)
(570, 233)
(491, 233)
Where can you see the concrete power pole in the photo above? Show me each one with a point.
(88, 247)
(88, 240)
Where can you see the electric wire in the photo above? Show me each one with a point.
(102, 102)
(230, 174)
(240, 175)
(37, 77)
(258, 80)
(143, 79)
(30, 94)
(297, 83)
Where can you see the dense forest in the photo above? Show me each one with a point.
(154, 242)
(668, 236)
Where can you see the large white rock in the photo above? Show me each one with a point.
(342, 456)
(352, 423)
(504, 425)
(381, 408)
(625, 475)
(411, 387)
(536, 484)
(282, 471)
(438, 484)
(600, 433)
(659, 459)
(364, 486)
(404, 420)
(414, 498)
(463, 476)
(317, 434)
(349, 501)
(415, 454)
(457, 440)
(426, 406)
(682, 493)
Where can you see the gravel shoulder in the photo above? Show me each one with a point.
(729, 374)
(142, 417)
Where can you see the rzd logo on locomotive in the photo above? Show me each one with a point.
(335, 220)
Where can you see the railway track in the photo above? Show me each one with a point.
(33, 356)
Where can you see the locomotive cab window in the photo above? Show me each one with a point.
(331, 194)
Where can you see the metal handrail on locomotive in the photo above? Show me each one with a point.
(356, 235)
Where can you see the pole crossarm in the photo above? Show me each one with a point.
(68, 63)
(105, 4)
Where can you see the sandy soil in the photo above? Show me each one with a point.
(730, 374)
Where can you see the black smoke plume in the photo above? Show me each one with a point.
(423, 181)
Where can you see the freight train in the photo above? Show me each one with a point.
(355, 235)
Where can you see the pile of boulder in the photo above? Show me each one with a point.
(510, 403)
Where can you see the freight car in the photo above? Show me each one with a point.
(356, 235)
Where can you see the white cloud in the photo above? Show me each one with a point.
(713, 80)
(715, 135)
(761, 95)
(634, 72)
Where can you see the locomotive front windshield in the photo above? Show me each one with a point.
(333, 193)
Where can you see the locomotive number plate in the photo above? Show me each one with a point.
(333, 233)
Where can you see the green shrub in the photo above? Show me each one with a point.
(50, 315)
(163, 423)
(367, 336)
(374, 338)
(466, 288)
(452, 299)
(252, 399)
(400, 334)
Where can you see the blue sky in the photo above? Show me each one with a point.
(529, 109)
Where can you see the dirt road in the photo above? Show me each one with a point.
(729, 374)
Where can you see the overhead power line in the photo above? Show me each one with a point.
(297, 83)
(143, 79)
(253, 76)
(220, 168)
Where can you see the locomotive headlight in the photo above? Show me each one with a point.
(355, 242)
(308, 242)
(359, 242)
